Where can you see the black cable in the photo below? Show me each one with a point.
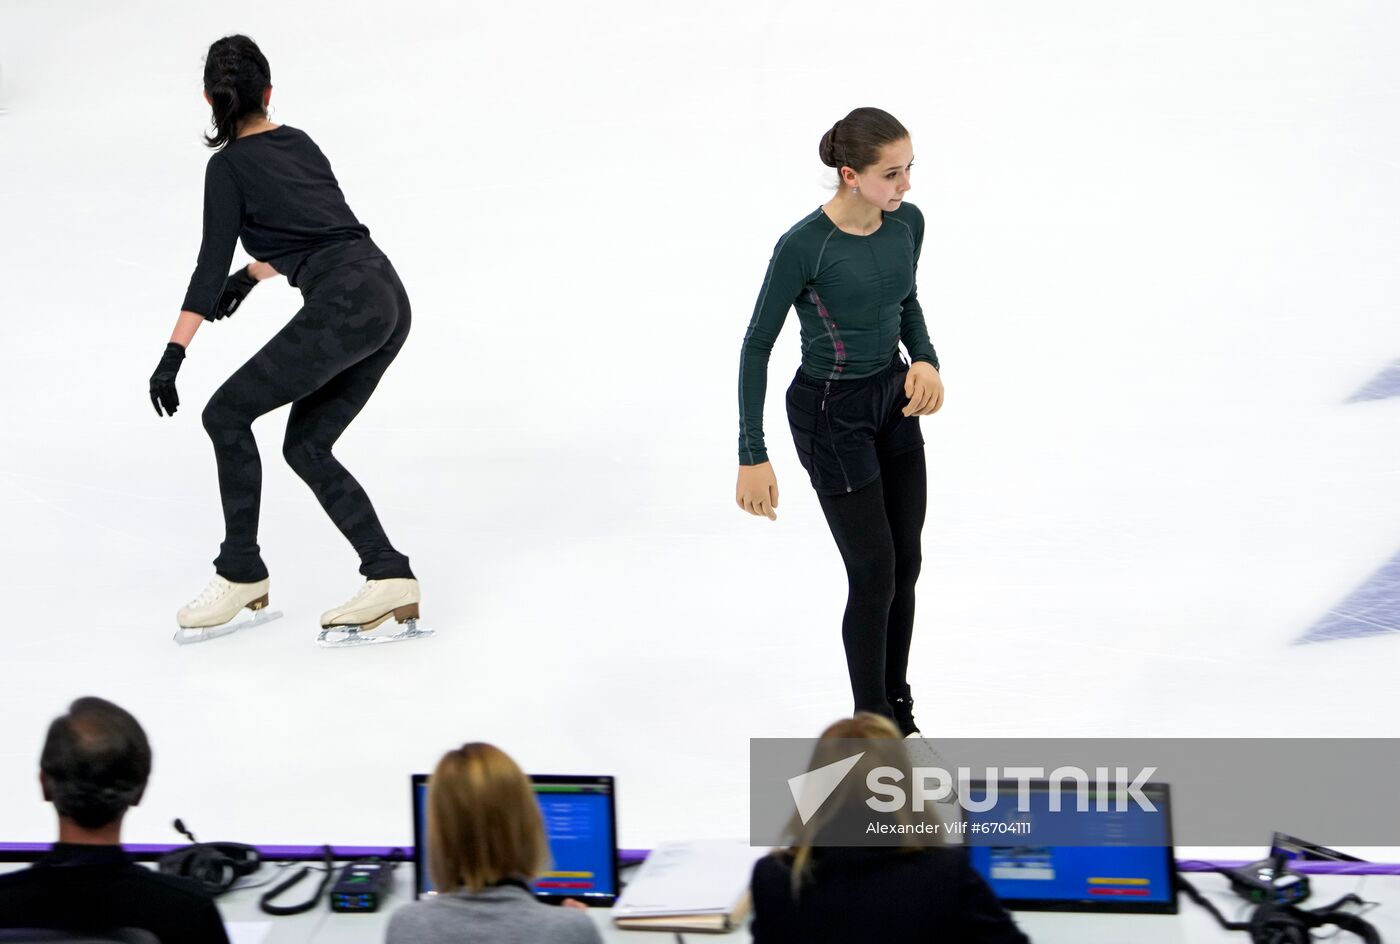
(279, 868)
(1287, 924)
(265, 902)
(1195, 895)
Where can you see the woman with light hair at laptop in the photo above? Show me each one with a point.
(823, 888)
(486, 841)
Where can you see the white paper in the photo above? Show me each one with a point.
(697, 877)
(247, 932)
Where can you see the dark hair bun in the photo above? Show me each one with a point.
(827, 149)
(855, 141)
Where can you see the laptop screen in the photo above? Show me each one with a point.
(1124, 863)
(581, 823)
(1293, 849)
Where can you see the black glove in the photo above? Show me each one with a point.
(163, 380)
(236, 288)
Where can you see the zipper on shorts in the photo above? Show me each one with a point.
(830, 438)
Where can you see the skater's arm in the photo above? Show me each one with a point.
(922, 385)
(190, 321)
(223, 221)
(787, 274)
(913, 331)
(185, 327)
(756, 490)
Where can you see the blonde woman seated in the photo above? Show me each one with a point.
(813, 892)
(486, 841)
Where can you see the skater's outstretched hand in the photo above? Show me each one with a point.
(236, 288)
(924, 388)
(757, 490)
(163, 380)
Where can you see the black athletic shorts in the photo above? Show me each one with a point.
(843, 428)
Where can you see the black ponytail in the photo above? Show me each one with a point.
(236, 74)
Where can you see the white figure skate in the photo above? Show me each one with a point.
(215, 612)
(351, 623)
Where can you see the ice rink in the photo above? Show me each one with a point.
(1160, 271)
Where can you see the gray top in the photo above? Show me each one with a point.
(502, 915)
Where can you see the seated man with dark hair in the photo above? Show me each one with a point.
(95, 764)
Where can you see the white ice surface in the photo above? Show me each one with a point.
(1161, 253)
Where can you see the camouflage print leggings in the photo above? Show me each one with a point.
(325, 362)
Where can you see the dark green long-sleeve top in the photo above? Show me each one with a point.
(855, 298)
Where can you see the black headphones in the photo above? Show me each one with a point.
(1288, 924)
(1285, 924)
(215, 866)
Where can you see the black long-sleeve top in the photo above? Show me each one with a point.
(96, 888)
(275, 191)
(872, 894)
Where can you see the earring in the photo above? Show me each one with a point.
(855, 190)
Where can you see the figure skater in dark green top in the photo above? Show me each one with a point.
(849, 269)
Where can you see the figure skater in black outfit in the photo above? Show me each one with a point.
(270, 186)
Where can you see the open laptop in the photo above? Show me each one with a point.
(1293, 849)
(1125, 862)
(580, 819)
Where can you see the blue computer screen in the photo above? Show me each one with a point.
(578, 822)
(1107, 858)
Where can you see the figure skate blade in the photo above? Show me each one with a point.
(189, 637)
(352, 637)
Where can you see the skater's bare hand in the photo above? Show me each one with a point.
(262, 271)
(924, 388)
(757, 490)
(163, 380)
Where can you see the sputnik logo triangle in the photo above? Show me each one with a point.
(810, 790)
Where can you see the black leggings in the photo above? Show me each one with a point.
(326, 362)
(878, 530)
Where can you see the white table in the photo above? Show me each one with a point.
(1191, 926)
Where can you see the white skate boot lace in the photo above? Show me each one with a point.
(360, 594)
(218, 587)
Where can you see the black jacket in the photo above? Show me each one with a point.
(95, 888)
(869, 895)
